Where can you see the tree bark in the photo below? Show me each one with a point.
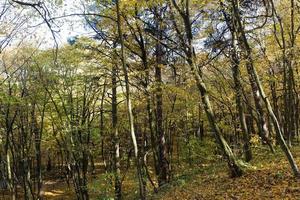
(233, 163)
(163, 174)
(239, 100)
(116, 140)
(255, 78)
(138, 160)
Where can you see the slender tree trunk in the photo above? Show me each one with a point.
(129, 107)
(38, 131)
(252, 71)
(116, 140)
(163, 174)
(239, 100)
(262, 123)
(274, 97)
(233, 163)
(8, 148)
(102, 126)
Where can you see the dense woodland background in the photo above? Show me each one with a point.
(174, 99)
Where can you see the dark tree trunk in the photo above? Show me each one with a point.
(239, 100)
(163, 167)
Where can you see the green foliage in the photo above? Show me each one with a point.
(198, 151)
(103, 186)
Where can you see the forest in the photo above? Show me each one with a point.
(149, 99)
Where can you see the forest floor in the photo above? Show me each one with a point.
(270, 177)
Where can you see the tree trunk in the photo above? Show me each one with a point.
(233, 163)
(129, 107)
(116, 140)
(252, 72)
(163, 167)
(239, 100)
